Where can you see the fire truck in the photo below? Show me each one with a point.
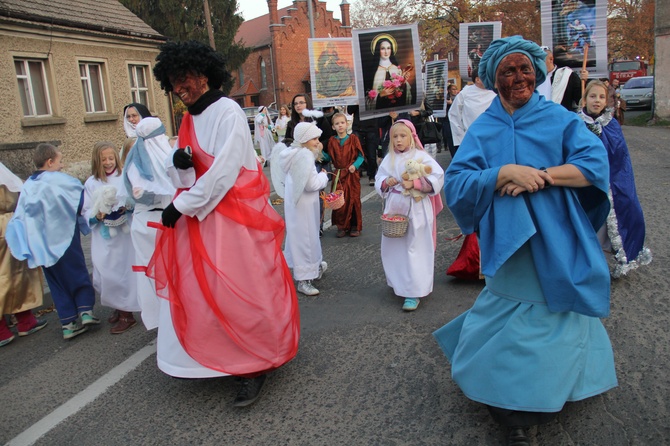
(627, 69)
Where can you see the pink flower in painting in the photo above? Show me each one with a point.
(387, 84)
(372, 94)
(398, 93)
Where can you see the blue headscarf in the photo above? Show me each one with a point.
(504, 47)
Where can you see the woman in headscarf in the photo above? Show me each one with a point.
(133, 113)
(385, 85)
(532, 183)
(147, 181)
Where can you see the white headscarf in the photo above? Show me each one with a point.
(9, 180)
(158, 148)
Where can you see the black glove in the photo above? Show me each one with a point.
(181, 159)
(170, 216)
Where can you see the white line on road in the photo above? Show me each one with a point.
(86, 396)
(76, 403)
(328, 223)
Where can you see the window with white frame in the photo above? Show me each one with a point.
(92, 87)
(33, 87)
(139, 89)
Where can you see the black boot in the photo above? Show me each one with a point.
(517, 436)
(250, 390)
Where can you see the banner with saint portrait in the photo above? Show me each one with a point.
(568, 26)
(474, 39)
(388, 69)
(331, 67)
(436, 86)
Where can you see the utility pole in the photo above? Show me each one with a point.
(310, 11)
(210, 30)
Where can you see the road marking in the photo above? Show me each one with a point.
(76, 403)
(328, 223)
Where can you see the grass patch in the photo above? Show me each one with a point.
(644, 119)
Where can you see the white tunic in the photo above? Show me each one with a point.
(112, 257)
(222, 131)
(301, 210)
(409, 261)
(263, 135)
(466, 107)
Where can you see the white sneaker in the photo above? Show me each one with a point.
(305, 287)
(322, 269)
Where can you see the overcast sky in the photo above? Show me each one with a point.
(254, 8)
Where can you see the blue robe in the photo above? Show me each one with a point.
(530, 341)
(625, 224)
(559, 222)
(46, 216)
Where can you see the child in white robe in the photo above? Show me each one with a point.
(112, 252)
(296, 180)
(409, 260)
(263, 132)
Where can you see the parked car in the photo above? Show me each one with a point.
(638, 92)
(251, 113)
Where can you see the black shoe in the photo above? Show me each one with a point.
(516, 436)
(249, 392)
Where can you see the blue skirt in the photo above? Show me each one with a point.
(510, 351)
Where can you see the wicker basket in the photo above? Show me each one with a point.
(394, 228)
(337, 203)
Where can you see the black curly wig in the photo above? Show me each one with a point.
(177, 59)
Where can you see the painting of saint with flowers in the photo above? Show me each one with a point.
(388, 69)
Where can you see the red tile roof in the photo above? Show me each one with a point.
(255, 33)
(99, 15)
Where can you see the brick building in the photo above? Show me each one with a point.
(278, 67)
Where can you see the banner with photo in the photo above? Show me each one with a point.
(331, 67)
(388, 69)
(436, 86)
(474, 39)
(568, 25)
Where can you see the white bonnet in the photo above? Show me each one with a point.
(305, 131)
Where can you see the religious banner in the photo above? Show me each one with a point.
(331, 67)
(388, 69)
(474, 39)
(436, 86)
(568, 26)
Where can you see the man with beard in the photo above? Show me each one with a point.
(230, 306)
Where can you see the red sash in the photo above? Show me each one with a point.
(231, 294)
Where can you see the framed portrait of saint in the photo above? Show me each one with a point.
(436, 80)
(388, 69)
(568, 26)
(331, 66)
(474, 39)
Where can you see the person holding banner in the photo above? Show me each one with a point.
(386, 83)
(532, 181)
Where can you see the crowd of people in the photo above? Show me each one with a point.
(165, 216)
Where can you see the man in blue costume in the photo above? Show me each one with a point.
(533, 185)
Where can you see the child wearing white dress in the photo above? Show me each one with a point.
(409, 260)
(263, 132)
(296, 180)
(107, 209)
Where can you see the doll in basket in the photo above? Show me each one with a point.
(346, 154)
(409, 260)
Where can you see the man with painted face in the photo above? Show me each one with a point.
(533, 186)
(229, 303)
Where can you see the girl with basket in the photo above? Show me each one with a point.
(409, 258)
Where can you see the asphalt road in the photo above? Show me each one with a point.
(366, 373)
